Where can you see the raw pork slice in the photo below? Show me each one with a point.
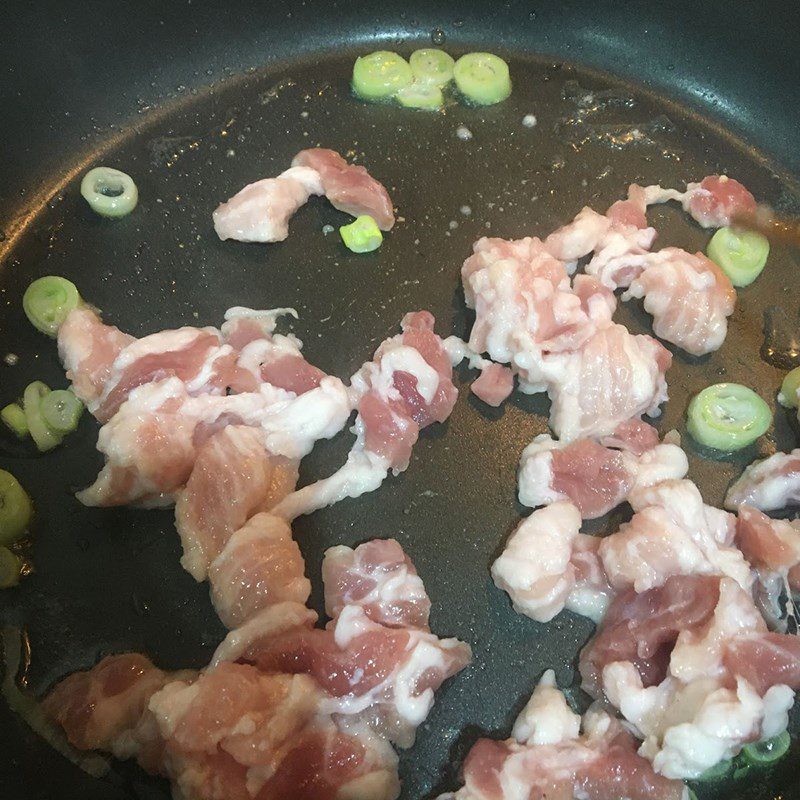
(348, 187)
(769, 484)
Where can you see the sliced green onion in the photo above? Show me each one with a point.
(61, 411)
(741, 255)
(719, 771)
(14, 418)
(767, 751)
(109, 192)
(787, 396)
(48, 300)
(431, 66)
(362, 236)
(728, 416)
(421, 95)
(380, 75)
(44, 438)
(15, 509)
(10, 566)
(482, 78)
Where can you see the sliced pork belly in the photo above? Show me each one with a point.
(230, 481)
(194, 355)
(259, 566)
(384, 676)
(600, 764)
(713, 202)
(98, 708)
(769, 484)
(261, 211)
(493, 385)
(407, 386)
(527, 254)
(534, 567)
(614, 377)
(672, 533)
(689, 297)
(348, 187)
(237, 733)
(594, 477)
(765, 659)
(151, 443)
(633, 436)
(380, 578)
(643, 628)
(547, 717)
(689, 728)
(578, 238)
(770, 545)
(88, 348)
(716, 200)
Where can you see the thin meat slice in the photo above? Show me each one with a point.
(600, 764)
(643, 628)
(348, 187)
(238, 733)
(614, 377)
(259, 566)
(713, 202)
(633, 436)
(194, 355)
(716, 200)
(534, 567)
(98, 707)
(769, 484)
(261, 211)
(578, 238)
(230, 481)
(770, 545)
(493, 385)
(689, 297)
(594, 478)
(528, 252)
(765, 660)
(380, 578)
(407, 386)
(151, 442)
(88, 348)
(384, 676)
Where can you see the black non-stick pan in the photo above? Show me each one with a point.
(195, 99)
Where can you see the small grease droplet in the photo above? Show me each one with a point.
(438, 36)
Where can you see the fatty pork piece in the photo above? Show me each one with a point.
(548, 565)
(672, 533)
(105, 365)
(691, 666)
(230, 734)
(549, 757)
(597, 477)
(770, 545)
(614, 377)
(407, 386)
(234, 476)
(259, 566)
(769, 484)
(152, 442)
(261, 211)
(376, 661)
(712, 203)
(380, 578)
(689, 296)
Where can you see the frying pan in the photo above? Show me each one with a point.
(195, 99)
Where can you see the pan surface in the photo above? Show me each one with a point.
(108, 580)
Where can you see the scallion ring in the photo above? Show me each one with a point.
(109, 192)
